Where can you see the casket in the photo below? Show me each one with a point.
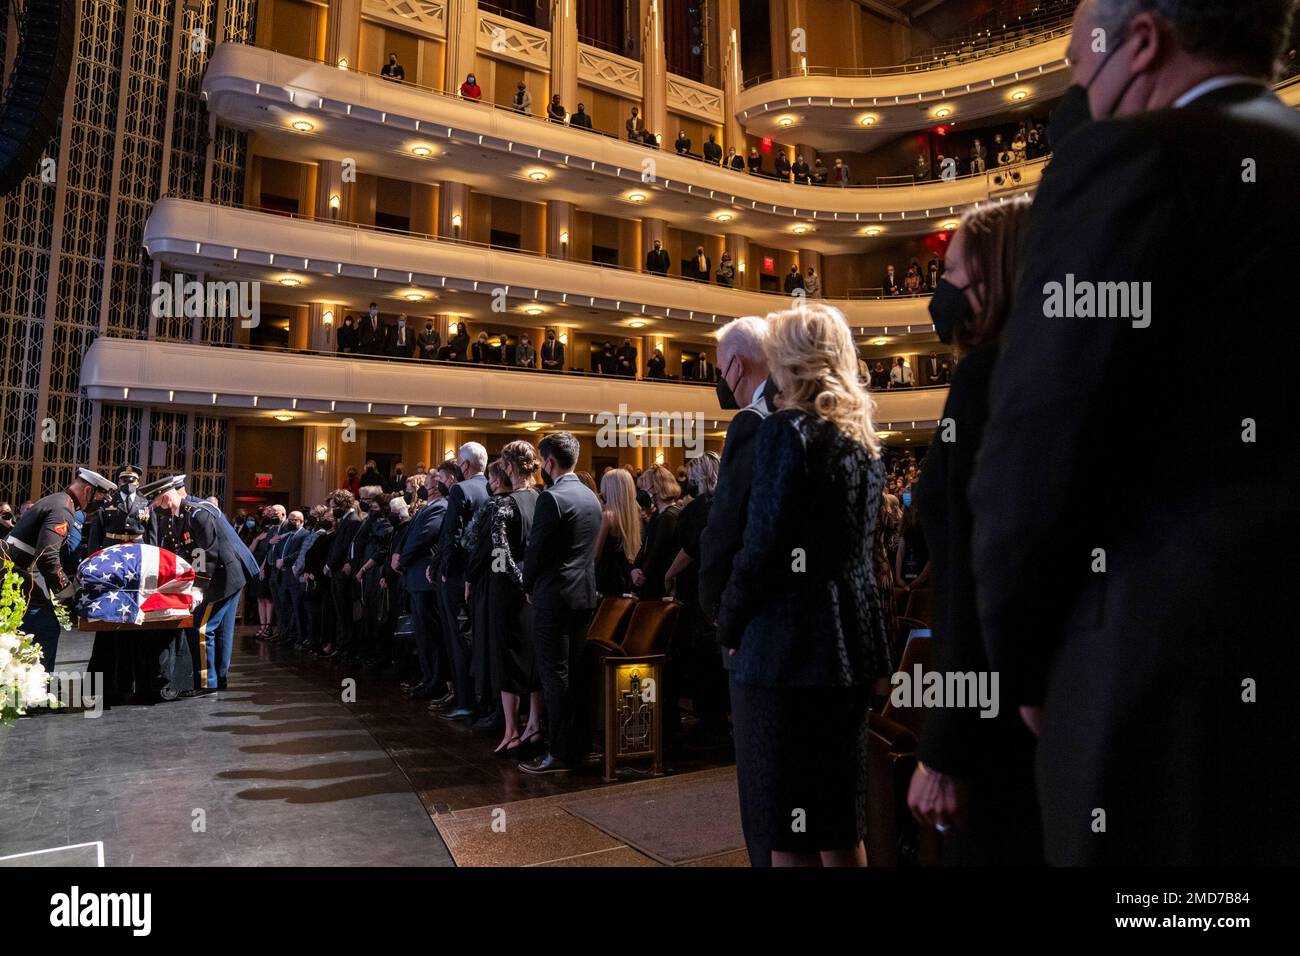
(131, 586)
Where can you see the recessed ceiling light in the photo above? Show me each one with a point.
(785, 121)
(943, 112)
(1019, 95)
(724, 217)
(636, 324)
(537, 175)
(291, 281)
(874, 231)
(303, 126)
(880, 341)
(636, 197)
(533, 426)
(414, 296)
(283, 417)
(949, 224)
(869, 120)
(801, 229)
(422, 150)
(533, 310)
(411, 422)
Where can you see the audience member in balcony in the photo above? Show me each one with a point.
(619, 540)
(809, 643)
(683, 143)
(794, 281)
(481, 351)
(931, 368)
(702, 370)
(701, 266)
(656, 260)
(782, 165)
(934, 272)
(820, 174)
(635, 127)
(755, 162)
(457, 347)
(522, 101)
(347, 337)
(712, 151)
(470, 90)
(581, 119)
(651, 139)
(840, 173)
(660, 544)
(879, 377)
(913, 284)
(525, 354)
(734, 161)
(552, 353)
(656, 366)
(891, 285)
(397, 484)
(559, 575)
(555, 111)
(428, 342)
(801, 170)
(1001, 152)
(812, 284)
(1034, 144)
(726, 271)
(921, 168)
(393, 70)
(1018, 146)
(627, 363)
(372, 336)
(352, 481)
(979, 156)
(372, 475)
(900, 376)
(400, 342)
(603, 360)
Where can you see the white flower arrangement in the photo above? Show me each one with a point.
(23, 681)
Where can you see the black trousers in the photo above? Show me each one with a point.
(558, 638)
(455, 639)
(429, 647)
(342, 591)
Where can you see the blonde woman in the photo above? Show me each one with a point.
(801, 612)
(660, 544)
(619, 540)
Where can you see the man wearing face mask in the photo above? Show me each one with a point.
(1108, 620)
(416, 558)
(428, 342)
(124, 517)
(37, 546)
(743, 383)
(343, 507)
(372, 337)
(552, 353)
(467, 496)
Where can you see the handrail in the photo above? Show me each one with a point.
(433, 237)
(666, 142)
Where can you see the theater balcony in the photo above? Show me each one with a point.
(302, 387)
(298, 107)
(844, 108)
(330, 261)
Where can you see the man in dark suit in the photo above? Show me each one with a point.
(891, 284)
(465, 498)
(703, 370)
(712, 151)
(701, 266)
(656, 260)
(560, 581)
(552, 353)
(372, 336)
(742, 383)
(1152, 654)
(399, 340)
(343, 587)
(416, 558)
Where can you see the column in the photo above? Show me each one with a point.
(323, 321)
(453, 210)
(738, 246)
(564, 52)
(322, 464)
(343, 34)
(732, 77)
(462, 42)
(654, 69)
(559, 223)
(652, 229)
(332, 194)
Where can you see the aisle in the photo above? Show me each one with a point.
(274, 771)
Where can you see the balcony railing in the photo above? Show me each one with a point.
(412, 234)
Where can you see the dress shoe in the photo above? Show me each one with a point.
(545, 764)
(199, 692)
(424, 693)
(446, 699)
(168, 692)
(490, 726)
(456, 713)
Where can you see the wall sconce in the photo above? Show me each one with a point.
(321, 455)
(564, 338)
(449, 454)
(455, 220)
(564, 238)
(741, 268)
(659, 458)
(327, 320)
(343, 63)
(335, 204)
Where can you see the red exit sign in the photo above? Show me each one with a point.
(262, 480)
(769, 264)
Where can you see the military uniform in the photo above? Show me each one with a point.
(124, 519)
(196, 535)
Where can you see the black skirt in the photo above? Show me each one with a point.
(801, 764)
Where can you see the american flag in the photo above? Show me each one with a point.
(135, 584)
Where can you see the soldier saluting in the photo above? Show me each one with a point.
(38, 548)
(124, 519)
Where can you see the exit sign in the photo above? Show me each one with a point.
(769, 264)
(262, 479)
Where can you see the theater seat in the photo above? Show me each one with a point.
(893, 837)
(648, 635)
(918, 605)
(610, 622)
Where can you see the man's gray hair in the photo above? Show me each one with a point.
(745, 337)
(1245, 35)
(472, 451)
(370, 491)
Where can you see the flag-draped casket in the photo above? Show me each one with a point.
(135, 584)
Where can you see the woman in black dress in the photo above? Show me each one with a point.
(619, 538)
(259, 589)
(498, 558)
(475, 541)
(975, 778)
(660, 544)
(801, 611)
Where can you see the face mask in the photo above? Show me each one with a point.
(726, 397)
(1105, 62)
(1071, 112)
(422, 493)
(443, 489)
(907, 499)
(429, 327)
(339, 512)
(949, 308)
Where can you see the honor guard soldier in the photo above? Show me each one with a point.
(200, 534)
(124, 519)
(38, 548)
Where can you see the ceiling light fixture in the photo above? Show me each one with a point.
(636, 197)
(303, 126)
(537, 175)
(283, 417)
(422, 150)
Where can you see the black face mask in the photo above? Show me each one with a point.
(338, 513)
(726, 397)
(443, 489)
(689, 489)
(949, 308)
(422, 493)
